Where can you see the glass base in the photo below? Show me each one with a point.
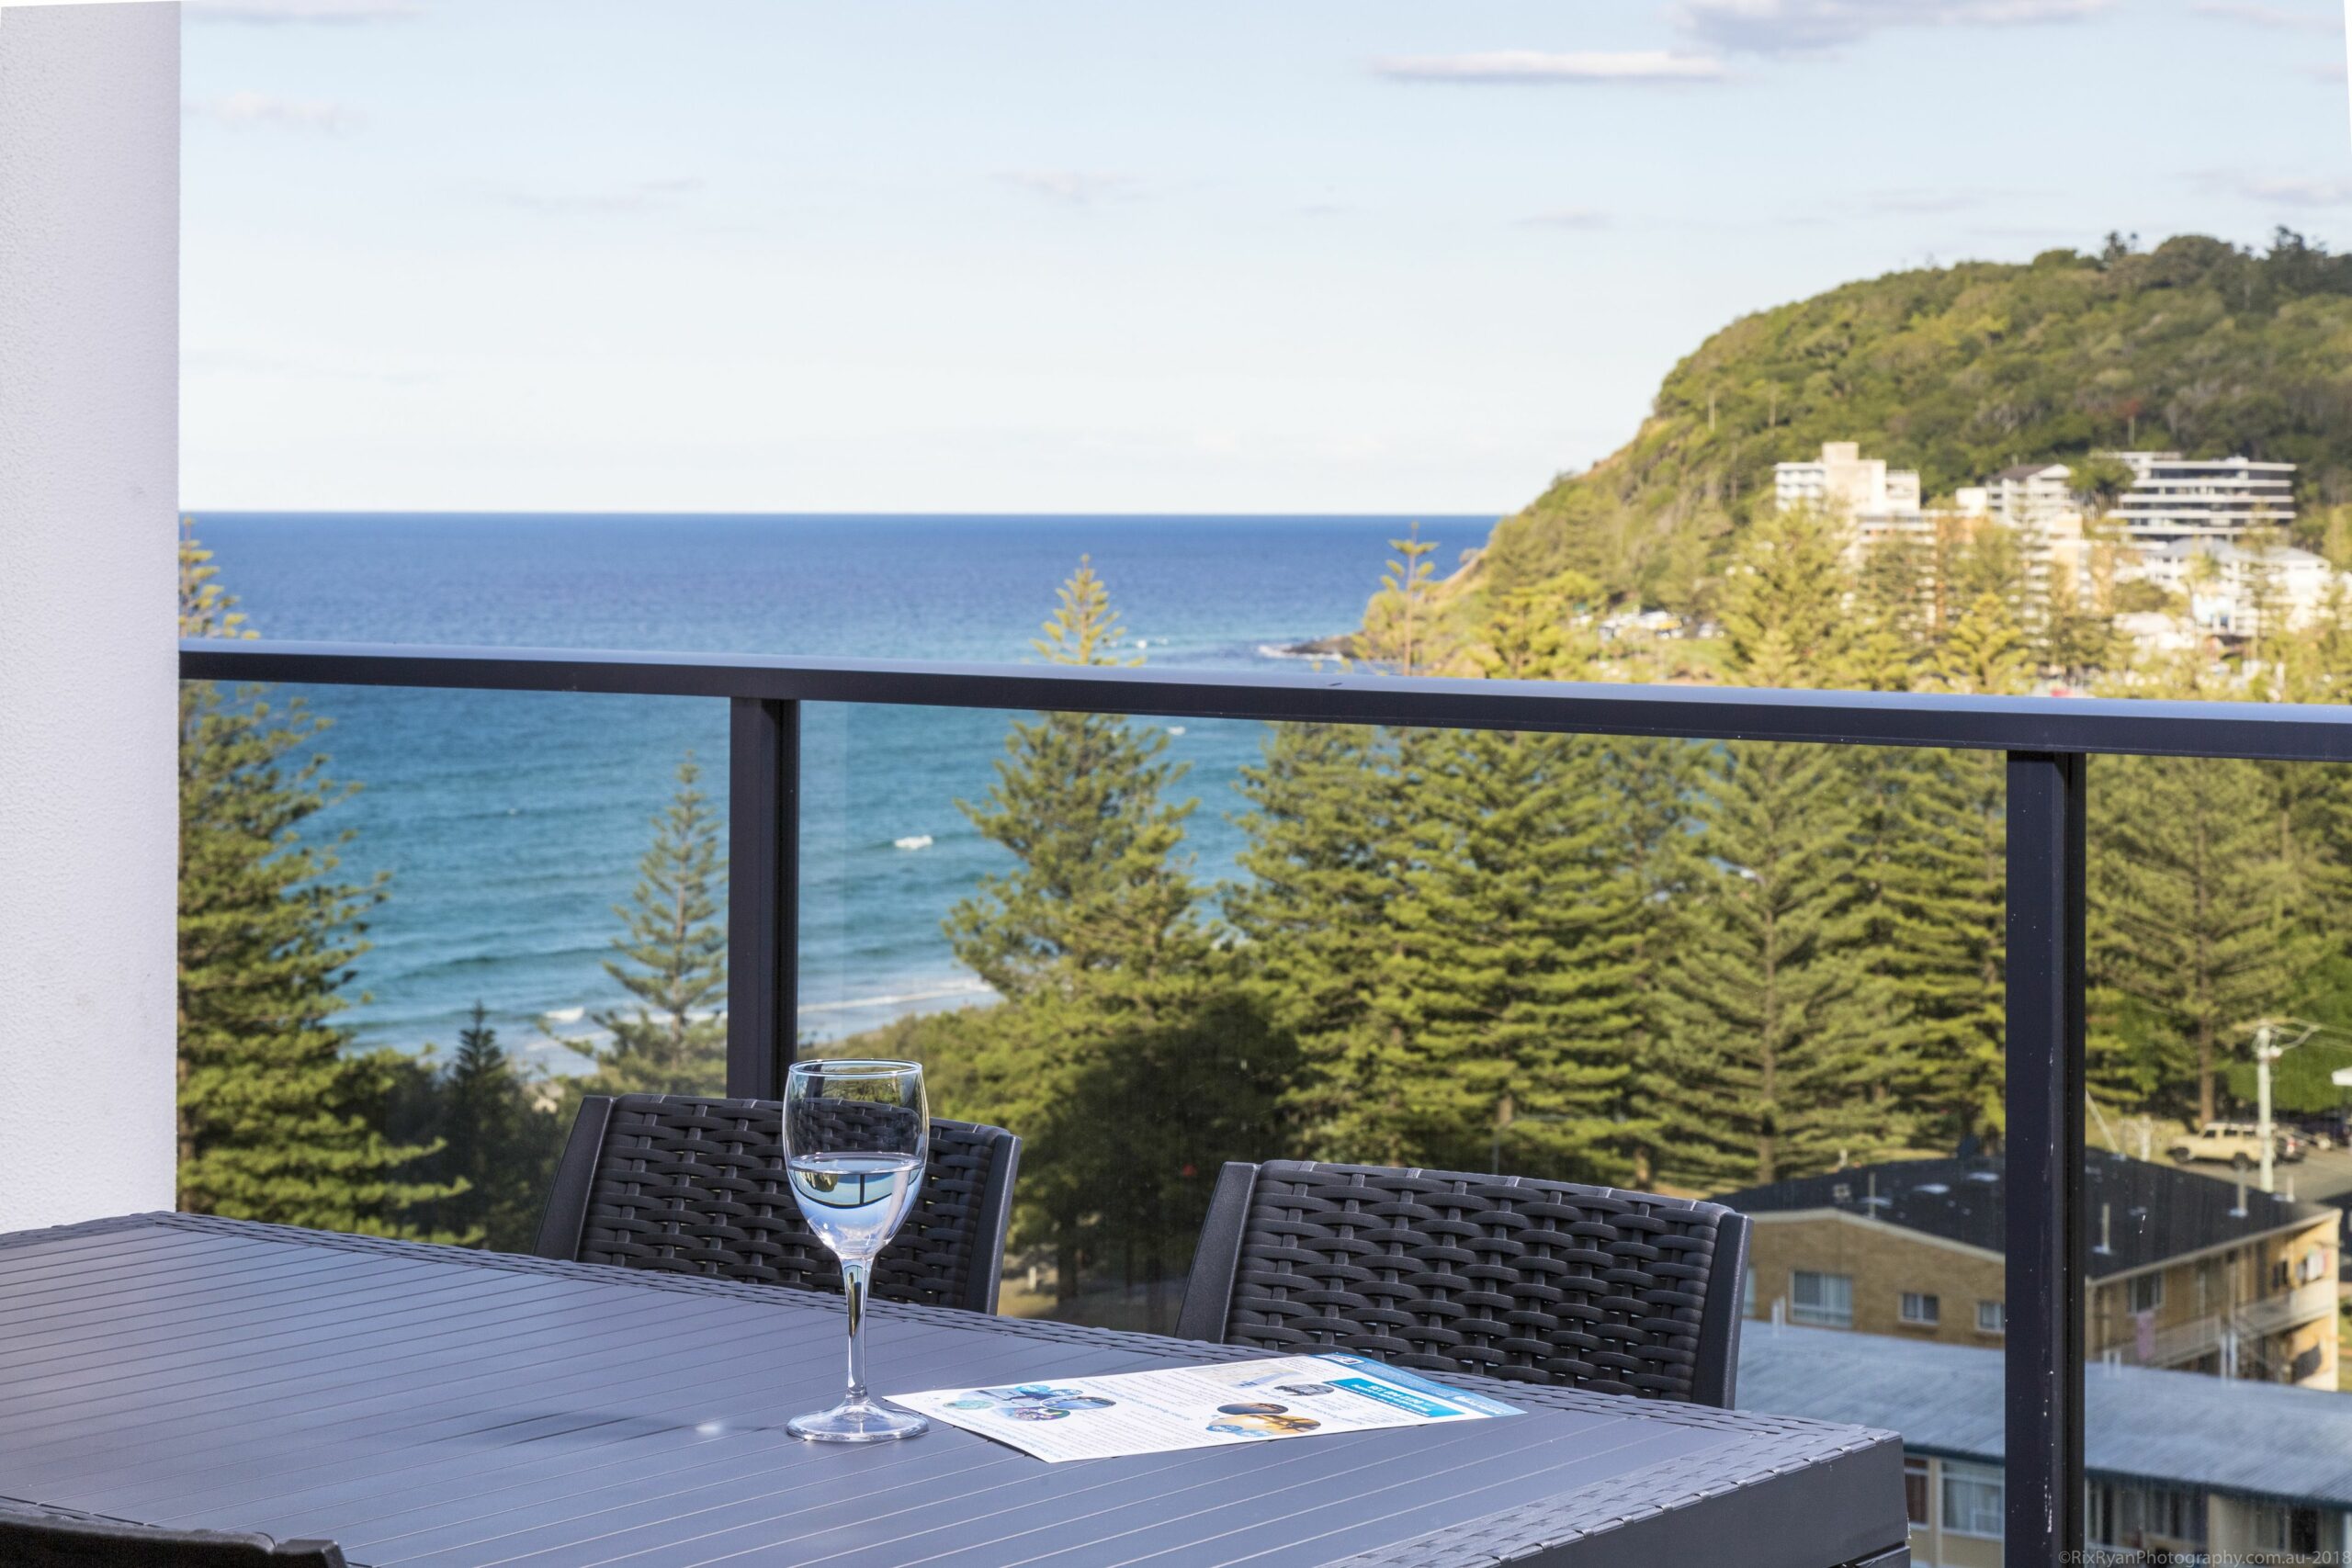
(860, 1423)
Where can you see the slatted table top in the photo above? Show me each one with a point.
(429, 1406)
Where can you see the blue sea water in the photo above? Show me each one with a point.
(511, 823)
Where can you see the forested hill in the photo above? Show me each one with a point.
(1958, 371)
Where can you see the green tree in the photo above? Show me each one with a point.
(1941, 916)
(1324, 848)
(1777, 1031)
(1400, 621)
(1124, 1049)
(1079, 802)
(1889, 616)
(1990, 561)
(672, 960)
(2075, 639)
(1983, 654)
(2099, 481)
(1529, 634)
(1508, 998)
(499, 1143)
(1784, 606)
(1654, 787)
(2188, 942)
(279, 1119)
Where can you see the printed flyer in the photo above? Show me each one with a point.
(1200, 1407)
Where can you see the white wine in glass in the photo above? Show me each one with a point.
(856, 1137)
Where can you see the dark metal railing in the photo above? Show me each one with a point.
(2048, 741)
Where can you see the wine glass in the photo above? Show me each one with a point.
(856, 1136)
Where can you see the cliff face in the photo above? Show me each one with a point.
(1958, 371)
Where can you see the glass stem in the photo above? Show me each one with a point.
(853, 1289)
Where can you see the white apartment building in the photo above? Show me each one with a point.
(2224, 583)
(2031, 495)
(2174, 498)
(2183, 519)
(1842, 481)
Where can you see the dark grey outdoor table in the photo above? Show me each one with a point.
(425, 1405)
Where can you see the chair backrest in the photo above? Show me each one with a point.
(698, 1186)
(40, 1539)
(1505, 1276)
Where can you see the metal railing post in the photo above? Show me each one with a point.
(762, 894)
(2047, 1259)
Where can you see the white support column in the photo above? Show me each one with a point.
(90, 475)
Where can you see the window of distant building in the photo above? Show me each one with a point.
(2147, 1292)
(1921, 1309)
(2125, 1514)
(1826, 1300)
(1915, 1490)
(2274, 1528)
(1972, 1499)
(1992, 1317)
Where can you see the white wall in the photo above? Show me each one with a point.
(89, 435)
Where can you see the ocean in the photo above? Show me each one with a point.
(511, 824)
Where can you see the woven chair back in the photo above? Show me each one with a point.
(1507, 1277)
(697, 1185)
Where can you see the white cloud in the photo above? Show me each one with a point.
(1919, 203)
(1567, 218)
(277, 13)
(2294, 190)
(239, 110)
(2282, 18)
(1074, 187)
(635, 197)
(1527, 66)
(1786, 27)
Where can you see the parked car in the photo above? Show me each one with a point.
(2236, 1144)
(2294, 1143)
(2325, 1131)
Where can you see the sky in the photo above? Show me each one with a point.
(1056, 256)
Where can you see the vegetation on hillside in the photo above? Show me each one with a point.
(1959, 371)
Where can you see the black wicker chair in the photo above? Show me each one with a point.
(698, 1186)
(1539, 1281)
(41, 1538)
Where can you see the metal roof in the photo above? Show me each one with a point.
(2255, 1439)
(2151, 1211)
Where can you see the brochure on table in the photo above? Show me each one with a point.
(1201, 1407)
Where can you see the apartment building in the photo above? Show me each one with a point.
(1844, 481)
(2181, 525)
(2200, 1469)
(2174, 498)
(2033, 496)
(2229, 587)
(2188, 1272)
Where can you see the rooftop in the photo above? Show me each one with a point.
(2154, 1211)
(2180, 1428)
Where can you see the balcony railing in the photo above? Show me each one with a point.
(2047, 742)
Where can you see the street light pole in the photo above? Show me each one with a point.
(2265, 1052)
